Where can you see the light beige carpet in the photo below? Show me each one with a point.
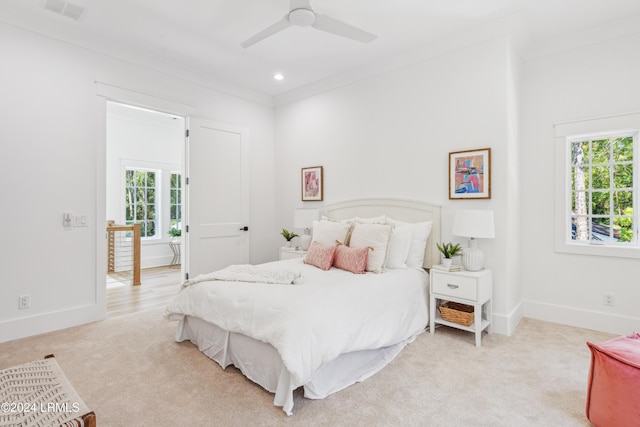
(130, 371)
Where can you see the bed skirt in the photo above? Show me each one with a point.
(261, 362)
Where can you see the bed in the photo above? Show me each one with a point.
(305, 323)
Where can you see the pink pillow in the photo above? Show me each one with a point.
(351, 259)
(320, 256)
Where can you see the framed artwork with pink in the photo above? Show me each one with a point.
(312, 184)
(470, 174)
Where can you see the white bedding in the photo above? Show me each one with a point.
(324, 315)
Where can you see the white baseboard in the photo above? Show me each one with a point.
(159, 261)
(46, 322)
(587, 319)
(507, 324)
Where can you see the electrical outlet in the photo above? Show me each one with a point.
(24, 301)
(608, 299)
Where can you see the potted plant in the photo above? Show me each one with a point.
(174, 232)
(448, 251)
(288, 235)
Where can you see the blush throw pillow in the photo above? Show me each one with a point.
(351, 259)
(320, 256)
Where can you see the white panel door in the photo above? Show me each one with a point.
(217, 197)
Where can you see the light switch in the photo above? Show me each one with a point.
(80, 221)
(67, 220)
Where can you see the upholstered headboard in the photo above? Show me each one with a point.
(399, 209)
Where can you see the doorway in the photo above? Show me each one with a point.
(144, 169)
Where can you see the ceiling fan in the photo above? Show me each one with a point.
(301, 14)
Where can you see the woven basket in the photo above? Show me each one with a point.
(461, 314)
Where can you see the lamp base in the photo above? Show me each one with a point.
(305, 241)
(472, 257)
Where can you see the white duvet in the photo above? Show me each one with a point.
(325, 314)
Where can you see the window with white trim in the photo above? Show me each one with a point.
(598, 194)
(602, 190)
(140, 200)
(176, 200)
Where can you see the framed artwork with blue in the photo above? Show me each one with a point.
(470, 174)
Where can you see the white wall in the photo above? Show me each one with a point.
(594, 81)
(143, 138)
(53, 134)
(389, 136)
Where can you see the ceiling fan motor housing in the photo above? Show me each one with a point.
(302, 17)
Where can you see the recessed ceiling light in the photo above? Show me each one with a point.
(278, 76)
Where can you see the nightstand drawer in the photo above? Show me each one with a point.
(455, 286)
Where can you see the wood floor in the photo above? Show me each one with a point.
(159, 285)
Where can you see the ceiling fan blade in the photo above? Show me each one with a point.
(267, 32)
(334, 26)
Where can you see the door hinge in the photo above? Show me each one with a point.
(186, 229)
(186, 133)
(186, 276)
(186, 181)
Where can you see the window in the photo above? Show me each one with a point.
(140, 200)
(598, 194)
(176, 200)
(602, 190)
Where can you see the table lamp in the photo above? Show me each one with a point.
(303, 218)
(474, 224)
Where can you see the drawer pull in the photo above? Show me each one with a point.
(450, 286)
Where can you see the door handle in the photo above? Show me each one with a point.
(450, 286)
(245, 228)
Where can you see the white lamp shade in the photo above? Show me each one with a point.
(475, 223)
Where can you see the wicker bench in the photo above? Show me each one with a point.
(39, 394)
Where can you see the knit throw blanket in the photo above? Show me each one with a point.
(248, 273)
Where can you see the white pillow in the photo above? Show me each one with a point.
(419, 234)
(382, 219)
(326, 218)
(399, 246)
(328, 232)
(376, 237)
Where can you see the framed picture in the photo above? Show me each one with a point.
(470, 174)
(312, 186)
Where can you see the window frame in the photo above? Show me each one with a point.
(163, 195)
(179, 193)
(590, 191)
(593, 129)
(157, 204)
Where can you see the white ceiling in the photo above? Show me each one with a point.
(204, 36)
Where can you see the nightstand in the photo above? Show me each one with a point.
(466, 287)
(289, 253)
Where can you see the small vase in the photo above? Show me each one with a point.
(446, 262)
(288, 243)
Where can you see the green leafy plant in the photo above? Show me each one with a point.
(174, 231)
(288, 235)
(449, 250)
